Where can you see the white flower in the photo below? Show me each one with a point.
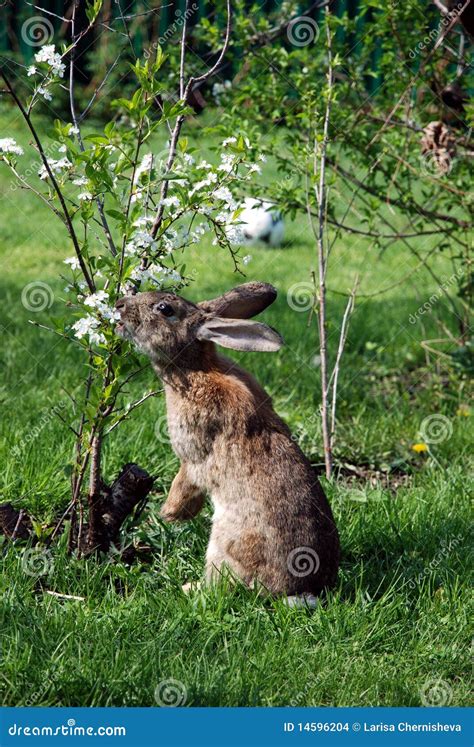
(62, 148)
(229, 141)
(73, 263)
(55, 166)
(143, 168)
(80, 181)
(96, 299)
(88, 326)
(171, 201)
(139, 241)
(235, 235)
(31, 71)
(85, 196)
(46, 51)
(219, 88)
(224, 193)
(45, 93)
(96, 337)
(210, 179)
(73, 130)
(171, 240)
(49, 55)
(246, 259)
(142, 238)
(99, 301)
(262, 158)
(145, 165)
(9, 145)
(143, 222)
(228, 161)
(196, 235)
(255, 169)
(156, 274)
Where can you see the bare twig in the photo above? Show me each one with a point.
(342, 342)
(320, 193)
(441, 7)
(130, 409)
(18, 524)
(67, 217)
(65, 596)
(98, 89)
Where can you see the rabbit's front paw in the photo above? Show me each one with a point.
(186, 508)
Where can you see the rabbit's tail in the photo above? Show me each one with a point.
(302, 600)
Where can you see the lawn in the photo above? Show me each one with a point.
(394, 632)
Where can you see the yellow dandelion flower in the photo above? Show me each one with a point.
(463, 411)
(419, 448)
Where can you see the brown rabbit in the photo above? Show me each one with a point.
(272, 523)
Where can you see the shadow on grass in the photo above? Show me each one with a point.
(406, 558)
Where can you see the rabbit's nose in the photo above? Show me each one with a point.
(120, 305)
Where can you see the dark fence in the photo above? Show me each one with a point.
(20, 23)
(24, 28)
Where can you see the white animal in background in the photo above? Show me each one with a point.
(260, 222)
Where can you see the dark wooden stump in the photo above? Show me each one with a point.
(14, 524)
(109, 509)
(107, 513)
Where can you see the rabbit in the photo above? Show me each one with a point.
(272, 525)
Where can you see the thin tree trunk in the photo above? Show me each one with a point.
(321, 199)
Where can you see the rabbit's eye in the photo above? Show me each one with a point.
(164, 308)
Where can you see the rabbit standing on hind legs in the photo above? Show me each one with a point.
(272, 524)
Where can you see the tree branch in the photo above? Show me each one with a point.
(57, 189)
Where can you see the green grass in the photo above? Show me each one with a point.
(399, 618)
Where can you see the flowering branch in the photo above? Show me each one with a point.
(55, 184)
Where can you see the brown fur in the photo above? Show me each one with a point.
(268, 504)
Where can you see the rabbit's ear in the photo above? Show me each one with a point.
(242, 302)
(240, 335)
